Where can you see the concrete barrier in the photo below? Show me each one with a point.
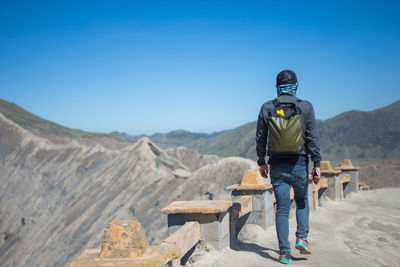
(217, 222)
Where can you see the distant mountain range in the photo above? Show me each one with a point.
(361, 136)
(54, 132)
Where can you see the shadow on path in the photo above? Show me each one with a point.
(262, 251)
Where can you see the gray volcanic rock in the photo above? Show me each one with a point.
(211, 180)
(191, 158)
(56, 200)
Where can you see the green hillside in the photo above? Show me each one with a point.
(237, 142)
(43, 127)
(361, 136)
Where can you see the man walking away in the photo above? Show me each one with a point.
(286, 132)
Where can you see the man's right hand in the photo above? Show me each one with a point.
(264, 170)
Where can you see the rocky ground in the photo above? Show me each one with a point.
(361, 230)
(56, 199)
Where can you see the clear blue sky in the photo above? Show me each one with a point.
(203, 66)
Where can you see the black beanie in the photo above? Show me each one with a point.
(286, 77)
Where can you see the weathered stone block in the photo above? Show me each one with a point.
(124, 239)
(125, 244)
(327, 170)
(251, 177)
(346, 164)
(326, 165)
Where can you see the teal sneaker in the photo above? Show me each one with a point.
(285, 257)
(303, 246)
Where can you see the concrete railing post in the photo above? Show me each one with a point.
(310, 196)
(262, 212)
(217, 222)
(346, 167)
(333, 177)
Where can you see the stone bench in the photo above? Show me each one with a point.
(212, 215)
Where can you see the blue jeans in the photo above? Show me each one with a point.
(285, 173)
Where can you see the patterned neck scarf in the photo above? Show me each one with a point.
(289, 89)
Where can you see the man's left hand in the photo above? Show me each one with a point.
(264, 170)
(316, 173)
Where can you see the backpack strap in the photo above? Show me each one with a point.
(275, 102)
(293, 105)
(298, 110)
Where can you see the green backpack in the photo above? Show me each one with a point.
(285, 134)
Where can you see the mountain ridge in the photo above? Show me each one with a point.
(52, 131)
(363, 136)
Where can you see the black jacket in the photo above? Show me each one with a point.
(309, 126)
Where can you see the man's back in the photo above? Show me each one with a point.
(309, 129)
(279, 136)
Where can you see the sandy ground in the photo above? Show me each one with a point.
(361, 230)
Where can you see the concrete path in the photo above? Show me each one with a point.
(361, 230)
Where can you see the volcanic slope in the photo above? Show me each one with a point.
(56, 200)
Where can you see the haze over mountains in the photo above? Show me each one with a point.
(361, 136)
